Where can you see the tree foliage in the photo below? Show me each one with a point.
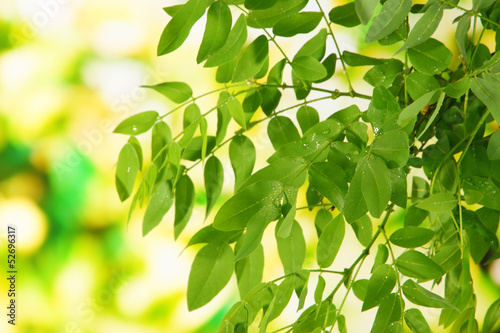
(425, 113)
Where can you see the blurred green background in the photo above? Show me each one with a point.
(70, 71)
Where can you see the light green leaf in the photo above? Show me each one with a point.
(491, 317)
(440, 202)
(307, 117)
(494, 146)
(355, 206)
(161, 201)
(380, 285)
(487, 91)
(193, 152)
(177, 92)
(308, 68)
(393, 147)
(481, 4)
(204, 136)
(267, 18)
(354, 59)
(289, 210)
(315, 318)
(320, 288)
(216, 30)
(259, 4)
(234, 43)
(399, 191)
(417, 265)
(126, 171)
(434, 114)
(410, 237)
(425, 26)
(177, 30)
(209, 234)
(211, 270)
(414, 108)
(252, 237)
(330, 180)
(242, 156)
(330, 241)
(138, 123)
(461, 35)
(298, 23)
(281, 131)
(191, 120)
(415, 216)
(252, 59)
(388, 312)
(448, 257)
(315, 47)
(214, 179)
(365, 9)
(359, 288)
(381, 257)
(376, 186)
(391, 16)
(416, 321)
(431, 57)
(322, 219)
(419, 84)
(284, 293)
(238, 210)
(292, 249)
(225, 71)
(184, 203)
(345, 15)
(384, 74)
(363, 229)
(138, 149)
(421, 296)
(459, 88)
(249, 271)
(233, 105)
(223, 116)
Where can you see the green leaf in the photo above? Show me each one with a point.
(298, 23)
(355, 205)
(363, 229)
(391, 16)
(252, 59)
(177, 92)
(320, 288)
(376, 186)
(216, 30)
(347, 115)
(494, 146)
(385, 73)
(138, 149)
(209, 234)
(126, 171)
(410, 237)
(416, 321)
(289, 171)
(414, 108)
(359, 288)
(307, 117)
(459, 88)
(283, 295)
(315, 47)
(330, 64)
(381, 257)
(399, 192)
(461, 35)
(191, 120)
(380, 285)
(292, 249)
(234, 43)
(481, 4)
(234, 107)
(388, 312)
(322, 219)
(440, 202)
(365, 9)
(431, 57)
(419, 84)
(251, 103)
(354, 59)
(259, 4)
(267, 18)
(252, 237)
(211, 270)
(225, 71)
(214, 179)
(491, 317)
(330, 180)
(417, 265)
(238, 210)
(193, 152)
(184, 203)
(393, 147)
(330, 241)
(421, 296)
(486, 91)
(315, 318)
(425, 26)
(172, 10)
(178, 28)
(223, 116)
(138, 123)
(161, 201)
(308, 68)
(242, 156)
(281, 131)
(345, 15)
(249, 271)
(415, 216)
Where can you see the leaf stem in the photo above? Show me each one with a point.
(470, 12)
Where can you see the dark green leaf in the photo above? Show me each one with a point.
(267, 18)
(315, 47)
(459, 88)
(421, 296)
(252, 59)
(354, 59)
(259, 4)
(177, 92)
(380, 285)
(299, 23)
(249, 271)
(431, 57)
(416, 321)
(414, 108)
(417, 265)
(161, 201)
(281, 131)
(137, 124)
(365, 9)
(330, 64)
(448, 257)
(192, 116)
(177, 30)
(292, 249)
(307, 117)
(216, 30)
(359, 288)
(330, 241)
(376, 186)
(391, 16)
(363, 229)
(415, 216)
(393, 147)
(388, 312)
(494, 146)
(441, 202)
(193, 152)
(209, 234)
(347, 115)
(184, 203)
(399, 192)
(234, 43)
(355, 206)
(314, 318)
(214, 179)
(225, 71)
(461, 35)
(223, 116)
(345, 15)
(410, 237)
(381, 257)
(290, 171)
(385, 73)
(126, 171)
(308, 68)
(284, 293)
(252, 237)
(323, 218)
(419, 84)
(211, 270)
(491, 317)
(330, 180)
(242, 155)
(251, 103)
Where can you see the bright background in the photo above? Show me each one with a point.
(70, 71)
